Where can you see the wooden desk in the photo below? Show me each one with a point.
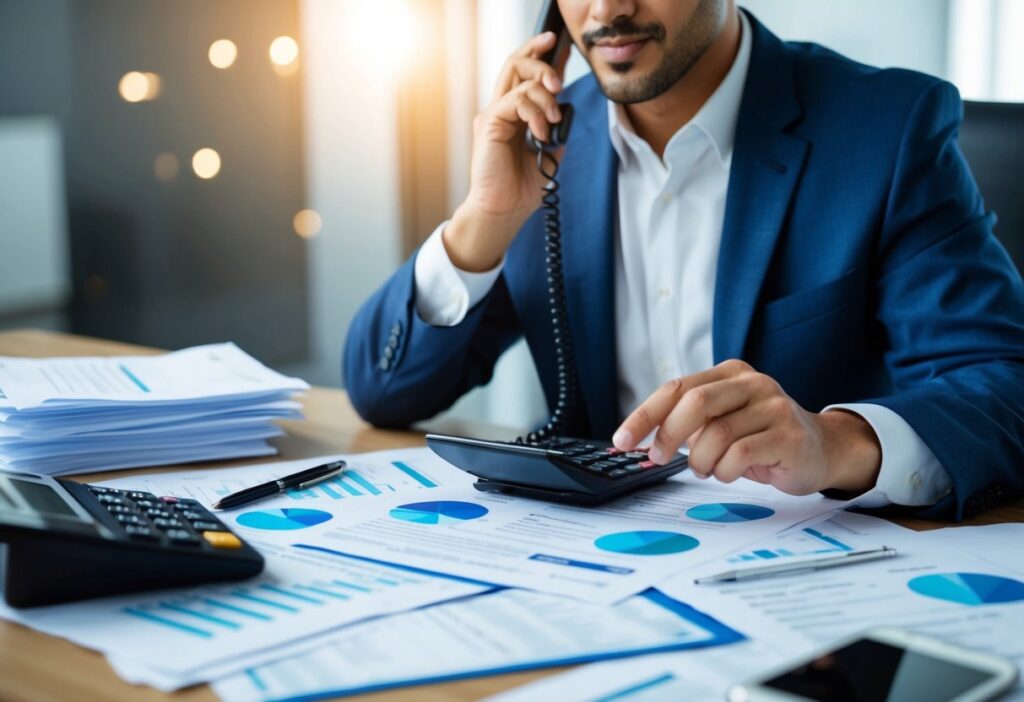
(38, 667)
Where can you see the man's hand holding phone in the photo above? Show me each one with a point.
(505, 185)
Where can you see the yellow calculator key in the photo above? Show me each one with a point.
(222, 539)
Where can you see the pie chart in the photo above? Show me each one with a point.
(442, 512)
(646, 543)
(287, 519)
(725, 512)
(968, 588)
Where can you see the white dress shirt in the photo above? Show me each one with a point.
(671, 212)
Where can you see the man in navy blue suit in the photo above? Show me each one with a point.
(773, 255)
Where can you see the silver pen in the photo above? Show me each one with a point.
(848, 558)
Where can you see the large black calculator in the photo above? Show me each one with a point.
(66, 541)
(559, 469)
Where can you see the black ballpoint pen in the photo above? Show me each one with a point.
(300, 481)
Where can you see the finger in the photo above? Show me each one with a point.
(541, 96)
(511, 75)
(720, 433)
(515, 108)
(655, 408)
(696, 408)
(760, 451)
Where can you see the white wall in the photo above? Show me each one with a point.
(351, 171)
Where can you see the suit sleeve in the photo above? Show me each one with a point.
(951, 305)
(399, 369)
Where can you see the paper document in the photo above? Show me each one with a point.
(601, 554)
(497, 632)
(939, 591)
(376, 474)
(72, 415)
(176, 637)
(192, 374)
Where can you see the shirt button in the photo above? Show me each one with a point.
(664, 292)
(666, 198)
(665, 365)
(915, 479)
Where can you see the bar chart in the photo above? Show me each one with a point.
(809, 542)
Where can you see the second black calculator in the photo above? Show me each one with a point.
(69, 541)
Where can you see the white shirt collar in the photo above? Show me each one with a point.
(716, 118)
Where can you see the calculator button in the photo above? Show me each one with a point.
(222, 539)
(621, 461)
(101, 490)
(646, 465)
(617, 473)
(165, 523)
(182, 537)
(169, 499)
(633, 469)
(591, 458)
(130, 519)
(612, 451)
(157, 512)
(109, 499)
(637, 456)
(603, 466)
(137, 495)
(206, 525)
(141, 533)
(192, 515)
(121, 509)
(144, 504)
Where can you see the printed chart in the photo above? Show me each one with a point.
(808, 542)
(646, 543)
(352, 482)
(729, 512)
(288, 519)
(442, 512)
(968, 588)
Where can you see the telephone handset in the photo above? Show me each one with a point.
(547, 465)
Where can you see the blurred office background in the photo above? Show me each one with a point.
(175, 172)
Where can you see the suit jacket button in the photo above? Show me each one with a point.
(396, 329)
(388, 353)
(385, 363)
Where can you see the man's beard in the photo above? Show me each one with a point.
(685, 49)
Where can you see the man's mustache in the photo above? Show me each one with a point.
(624, 28)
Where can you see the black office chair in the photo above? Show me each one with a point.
(992, 139)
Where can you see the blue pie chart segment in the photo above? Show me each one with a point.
(969, 588)
(726, 512)
(287, 519)
(646, 543)
(442, 512)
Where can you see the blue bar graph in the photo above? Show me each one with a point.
(357, 477)
(329, 491)
(765, 554)
(414, 474)
(149, 616)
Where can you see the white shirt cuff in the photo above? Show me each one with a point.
(910, 474)
(444, 293)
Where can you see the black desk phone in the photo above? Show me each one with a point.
(66, 541)
(547, 465)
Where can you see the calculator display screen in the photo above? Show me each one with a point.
(43, 498)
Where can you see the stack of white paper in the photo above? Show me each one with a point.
(72, 415)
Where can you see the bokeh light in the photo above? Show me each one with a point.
(136, 86)
(284, 51)
(307, 223)
(223, 53)
(394, 48)
(165, 166)
(206, 163)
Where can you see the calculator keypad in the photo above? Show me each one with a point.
(607, 461)
(176, 521)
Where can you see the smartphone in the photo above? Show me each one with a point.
(892, 665)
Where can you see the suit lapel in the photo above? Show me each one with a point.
(588, 202)
(766, 167)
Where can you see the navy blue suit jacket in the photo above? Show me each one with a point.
(857, 264)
